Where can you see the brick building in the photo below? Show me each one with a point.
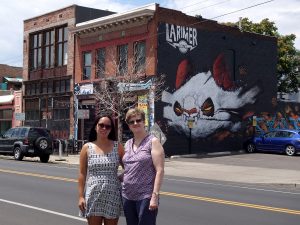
(10, 97)
(107, 47)
(217, 76)
(48, 62)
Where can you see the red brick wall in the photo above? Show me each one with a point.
(111, 38)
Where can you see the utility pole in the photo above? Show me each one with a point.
(75, 122)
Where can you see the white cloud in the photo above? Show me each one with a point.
(285, 14)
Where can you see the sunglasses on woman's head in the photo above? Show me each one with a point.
(131, 122)
(106, 126)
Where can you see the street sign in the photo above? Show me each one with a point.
(20, 116)
(123, 87)
(157, 132)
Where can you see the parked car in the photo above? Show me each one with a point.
(27, 141)
(283, 140)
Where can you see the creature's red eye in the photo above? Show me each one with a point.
(177, 109)
(208, 108)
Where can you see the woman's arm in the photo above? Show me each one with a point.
(82, 176)
(158, 158)
(121, 154)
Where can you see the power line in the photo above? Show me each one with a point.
(205, 20)
(218, 3)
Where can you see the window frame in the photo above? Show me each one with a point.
(100, 62)
(86, 65)
(122, 61)
(139, 57)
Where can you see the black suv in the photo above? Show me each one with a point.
(27, 141)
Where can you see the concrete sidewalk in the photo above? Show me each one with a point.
(215, 171)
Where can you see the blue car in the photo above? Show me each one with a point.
(283, 140)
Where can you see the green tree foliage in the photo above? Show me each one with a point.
(288, 56)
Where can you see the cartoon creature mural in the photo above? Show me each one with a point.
(211, 99)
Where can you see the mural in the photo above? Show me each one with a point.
(216, 82)
(210, 100)
(285, 115)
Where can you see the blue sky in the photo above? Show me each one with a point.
(285, 14)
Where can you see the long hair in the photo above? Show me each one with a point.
(93, 133)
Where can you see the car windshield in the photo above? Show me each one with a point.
(39, 132)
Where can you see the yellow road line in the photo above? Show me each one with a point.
(38, 175)
(193, 197)
(220, 201)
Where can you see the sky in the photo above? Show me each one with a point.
(285, 14)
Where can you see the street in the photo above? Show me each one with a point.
(43, 194)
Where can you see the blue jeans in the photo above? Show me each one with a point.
(138, 213)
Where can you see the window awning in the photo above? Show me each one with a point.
(6, 99)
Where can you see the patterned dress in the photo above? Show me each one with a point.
(102, 189)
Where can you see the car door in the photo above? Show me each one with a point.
(281, 139)
(14, 137)
(5, 140)
(266, 141)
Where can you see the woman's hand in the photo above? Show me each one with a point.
(153, 202)
(81, 204)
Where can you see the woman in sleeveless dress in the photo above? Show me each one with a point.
(98, 183)
(143, 174)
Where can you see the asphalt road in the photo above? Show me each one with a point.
(41, 194)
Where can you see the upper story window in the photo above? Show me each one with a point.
(48, 48)
(139, 57)
(122, 60)
(100, 63)
(62, 45)
(87, 66)
(36, 51)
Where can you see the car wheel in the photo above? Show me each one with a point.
(250, 148)
(290, 150)
(44, 158)
(42, 143)
(18, 154)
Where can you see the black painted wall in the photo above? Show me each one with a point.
(215, 82)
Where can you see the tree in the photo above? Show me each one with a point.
(288, 55)
(117, 93)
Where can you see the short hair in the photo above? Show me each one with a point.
(93, 133)
(134, 112)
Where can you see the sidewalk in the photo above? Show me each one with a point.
(213, 171)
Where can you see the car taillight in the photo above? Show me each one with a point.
(26, 141)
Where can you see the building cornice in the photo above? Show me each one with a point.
(118, 19)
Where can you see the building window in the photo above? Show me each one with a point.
(36, 51)
(63, 86)
(68, 86)
(61, 109)
(33, 88)
(50, 87)
(44, 87)
(100, 63)
(62, 46)
(32, 109)
(87, 65)
(28, 89)
(57, 86)
(122, 60)
(49, 48)
(139, 57)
